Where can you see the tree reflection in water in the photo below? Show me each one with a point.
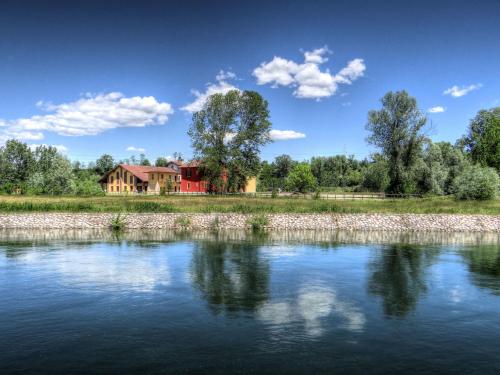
(398, 275)
(231, 276)
(484, 266)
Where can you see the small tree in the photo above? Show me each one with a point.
(477, 182)
(169, 186)
(161, 162)
(301, 179)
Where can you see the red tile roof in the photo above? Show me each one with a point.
(142, 172)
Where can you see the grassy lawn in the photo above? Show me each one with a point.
(241, 205)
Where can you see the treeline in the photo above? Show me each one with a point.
(408, 161)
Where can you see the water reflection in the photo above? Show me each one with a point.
(398, 275)
(230, 276)
(314, 303)
(484, 265)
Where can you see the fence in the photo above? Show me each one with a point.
(322, 196)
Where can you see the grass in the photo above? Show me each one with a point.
(238, 204)
(118, 223)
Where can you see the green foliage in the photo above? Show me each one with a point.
(258, 222)
(169, 185)
(376, 175)
(339, 170)
(161, 162)
(482, 141)
(16, 165)
(104, 164)
(477, 183)
(183, 222)
(215, 225)
(143, 160)
(227, 134)
(118, 222)
(395, 129)
(301, 179)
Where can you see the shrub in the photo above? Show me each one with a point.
(476, 182)
(274, 193)
(118, 222)
(183, 222)
(258, 222)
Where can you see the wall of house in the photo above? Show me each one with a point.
(161, 179)
(191, 181)
(122, 181)
(251, 186)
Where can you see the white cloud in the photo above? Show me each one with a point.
(61, 148)
(437, 109)
(283, 135)
(135, 149)
(90, 115)
(308, 79)
(457, 92)
(222, 86)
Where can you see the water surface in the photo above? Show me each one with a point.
(166, 303)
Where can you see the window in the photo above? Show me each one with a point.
(111, 179)
(188, 173)
(170, 177)
(189, 186)
(131, 180)
(161, 176)
(117, 175)
(111, 188)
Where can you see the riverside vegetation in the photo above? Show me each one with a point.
(407, 162)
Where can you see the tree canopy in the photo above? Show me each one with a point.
(227, 134)
(396, 130)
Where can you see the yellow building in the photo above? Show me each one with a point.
(126, 178)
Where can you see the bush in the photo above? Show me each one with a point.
(118, 223)
(183, 222)
(476, 182)
(258, 222)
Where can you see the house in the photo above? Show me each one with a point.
(180, 177)
(126, 178)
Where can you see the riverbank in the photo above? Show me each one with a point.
(211, 221)
(243, 205)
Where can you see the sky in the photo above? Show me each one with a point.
(124, 78)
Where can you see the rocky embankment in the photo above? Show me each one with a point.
(378, 222)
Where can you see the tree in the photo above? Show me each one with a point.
(53, 173)
(161, 162)
(169, 186)
(376, 176)
(227, 134)
(482, 142)
(301, 179)
(144, 161)
(16, 164)
(104, 164)
(396, 129)
(477, 182)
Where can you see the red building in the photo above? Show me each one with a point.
(191, 181)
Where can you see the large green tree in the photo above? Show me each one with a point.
(482, 141)
(16, 165)
(396, 130)
(104, 164)
(227, 134)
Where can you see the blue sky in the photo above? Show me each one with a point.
(100, 77)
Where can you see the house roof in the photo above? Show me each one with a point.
(191, 164)
(140, 171)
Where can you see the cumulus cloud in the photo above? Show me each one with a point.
(307, 78)
(222, 86)
(135, 149)
(283, 135)
(457, 91)
(437, 109)
(90, 115)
